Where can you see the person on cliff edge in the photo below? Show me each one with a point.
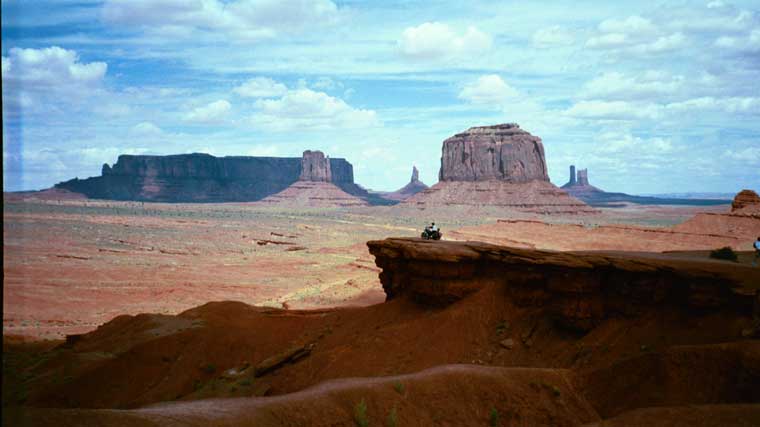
(757, 252)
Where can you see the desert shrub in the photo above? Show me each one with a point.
(399, 387)
(494, 418)
(210, 368)
(360, 414)
(725, 253)
(392, 418)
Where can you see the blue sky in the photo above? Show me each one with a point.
(663, 97)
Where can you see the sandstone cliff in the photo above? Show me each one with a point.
(205, 178)
(746, 201)
(579, 290)
(502, 166)
(315, 167)
(501, 152)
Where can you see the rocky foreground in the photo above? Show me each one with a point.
(470, 334)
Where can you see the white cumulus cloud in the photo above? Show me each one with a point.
(489, 89)
(211, 113)
(618, 86)
(261, 87)
(435, 40)
(51, 67)
(307, 109)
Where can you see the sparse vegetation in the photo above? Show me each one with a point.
(494, 420)
(360, 414)
(209, 368)
(724, 253)
(399, 387)
(392, 420)
(501, 327)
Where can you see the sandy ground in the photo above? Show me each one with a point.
(71, 265)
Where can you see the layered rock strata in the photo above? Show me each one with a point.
(746, 201)
(499, 166)
(205, 178)
(315, 167)
(315, 187)
(502, 152)
(578, 289)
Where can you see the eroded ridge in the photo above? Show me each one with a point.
(580, 289)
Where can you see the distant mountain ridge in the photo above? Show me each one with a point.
(578, 186)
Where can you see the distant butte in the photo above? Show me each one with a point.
(203, 178)
(315, 187)
(500, 165)
(746, 202)
(413, 187)
(578, 186)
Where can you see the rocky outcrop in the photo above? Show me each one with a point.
(578, 289)
(572, 180)
(496, 166)
(313, 194)
(583, 177)
(578, 182)
(746, 201)
(502, 152)
(205, 178)
(409, 190)
(315, 167)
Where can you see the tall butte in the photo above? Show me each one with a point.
(413, 187)
(316, 186)
(500, 165)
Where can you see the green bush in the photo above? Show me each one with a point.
(494, 419)
(399, 387)
(392, 418)
(360, 414)
(725, 253)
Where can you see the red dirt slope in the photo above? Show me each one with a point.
(684, 339)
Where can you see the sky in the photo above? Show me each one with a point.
(651, 97)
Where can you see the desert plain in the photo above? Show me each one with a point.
(71, 265)
(160, 310)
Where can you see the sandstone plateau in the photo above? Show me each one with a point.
(499, 165)
(205, 178)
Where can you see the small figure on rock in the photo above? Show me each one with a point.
(757, 252)
(432, 232)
